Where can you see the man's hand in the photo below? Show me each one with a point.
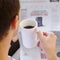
(48, 41)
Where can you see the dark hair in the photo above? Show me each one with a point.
(8, 10)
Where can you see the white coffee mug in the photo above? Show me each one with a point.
(29, 35)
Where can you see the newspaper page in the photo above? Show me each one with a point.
(45, 12)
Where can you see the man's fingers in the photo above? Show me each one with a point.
(45, 34)
(40, 35)
(43, 38)
(52, 35)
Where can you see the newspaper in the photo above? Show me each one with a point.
(45, 12)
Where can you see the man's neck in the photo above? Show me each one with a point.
(4, 47)
(3, 56)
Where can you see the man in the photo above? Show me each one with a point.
(9, 14)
